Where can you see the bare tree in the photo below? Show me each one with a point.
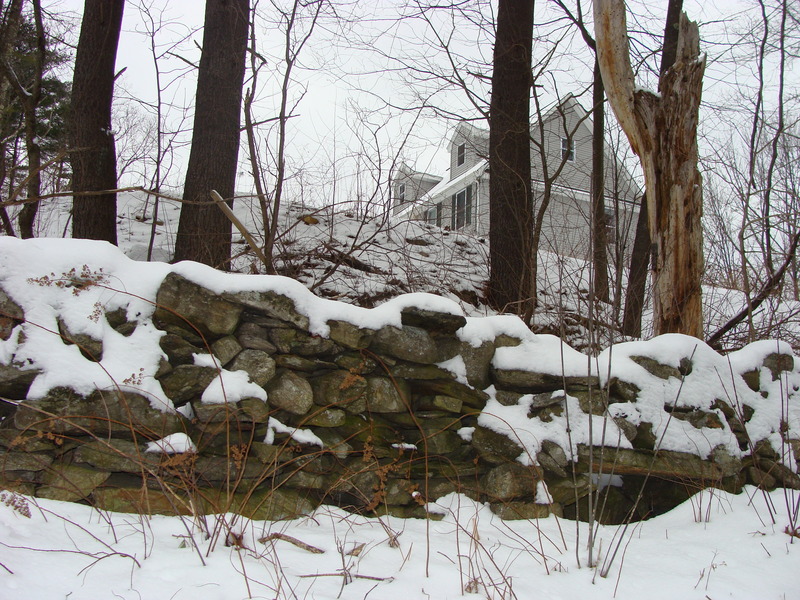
(510, 204)
(9, 29)
(204, 232)
(29, 95)
(662, 130)
(93, 153)
(297, 24)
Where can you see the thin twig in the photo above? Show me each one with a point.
(292, 540)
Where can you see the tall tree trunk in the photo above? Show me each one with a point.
(640, 253)
(637, 275)
(204, 232)
(510, 204)
(599, 221)
(92, 150)
(30, 100)
(10, 18)
(662, 130)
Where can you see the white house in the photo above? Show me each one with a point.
(562, 140)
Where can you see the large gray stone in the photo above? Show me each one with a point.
(91, 348)
(11, 314)
(654, 367)
(69, 483)
(255, 337)
(511, 481)
(24, 461)
(387, 396)
(15, 381)
(432, 320)
(341, 389)
(271, 304)
(258, 365)
(478, 362)
(327, 417)
(664, 464)
(184, 305)
(115, 455)
(535, 382)
(777, 363)
(178, 350)
(187, 382)
(291, 393)
(104, 412)
(294, 341)
(349, 335)
(529, 511)
(471, 398)
(409, 343)
(226, 349)
(495, 447)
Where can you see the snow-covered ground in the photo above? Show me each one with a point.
(713, 546)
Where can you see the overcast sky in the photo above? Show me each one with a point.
(342, 75)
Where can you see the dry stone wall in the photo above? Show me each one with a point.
(373, 420)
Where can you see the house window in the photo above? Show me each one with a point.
(401, 193)
(567, 149)
(461, 153)
(462, 208)
(611, 226)
(434, 215)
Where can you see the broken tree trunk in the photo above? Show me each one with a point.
(662, 130)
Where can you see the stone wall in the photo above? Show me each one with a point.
(370, 419)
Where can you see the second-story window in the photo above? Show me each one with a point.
(461, 154)
(401, 193)
(567, 149)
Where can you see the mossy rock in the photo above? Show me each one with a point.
(226, 349)
(178, 350)
(432, 320)
(24, 461)
(115, 455)
(495, 447)
(291, 392)
(271, 304)
(350, 335)
(259, 366)
(140, 500)
(412, 344)
(104, 412)
(529, 511)
(186, 306)
(15, 381)
(511, 481)
(341, 389)
(70, 482)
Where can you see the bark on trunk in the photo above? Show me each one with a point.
(662, 130)
(204, 232)
(599, 221)
(93, 154)
(30, 99)
(637, 276)
(510, 204)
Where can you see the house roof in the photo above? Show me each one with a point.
(453, 185)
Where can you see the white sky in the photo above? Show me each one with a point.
(327, 137)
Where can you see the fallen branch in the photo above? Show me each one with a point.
(291, 540)
(223, 206)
